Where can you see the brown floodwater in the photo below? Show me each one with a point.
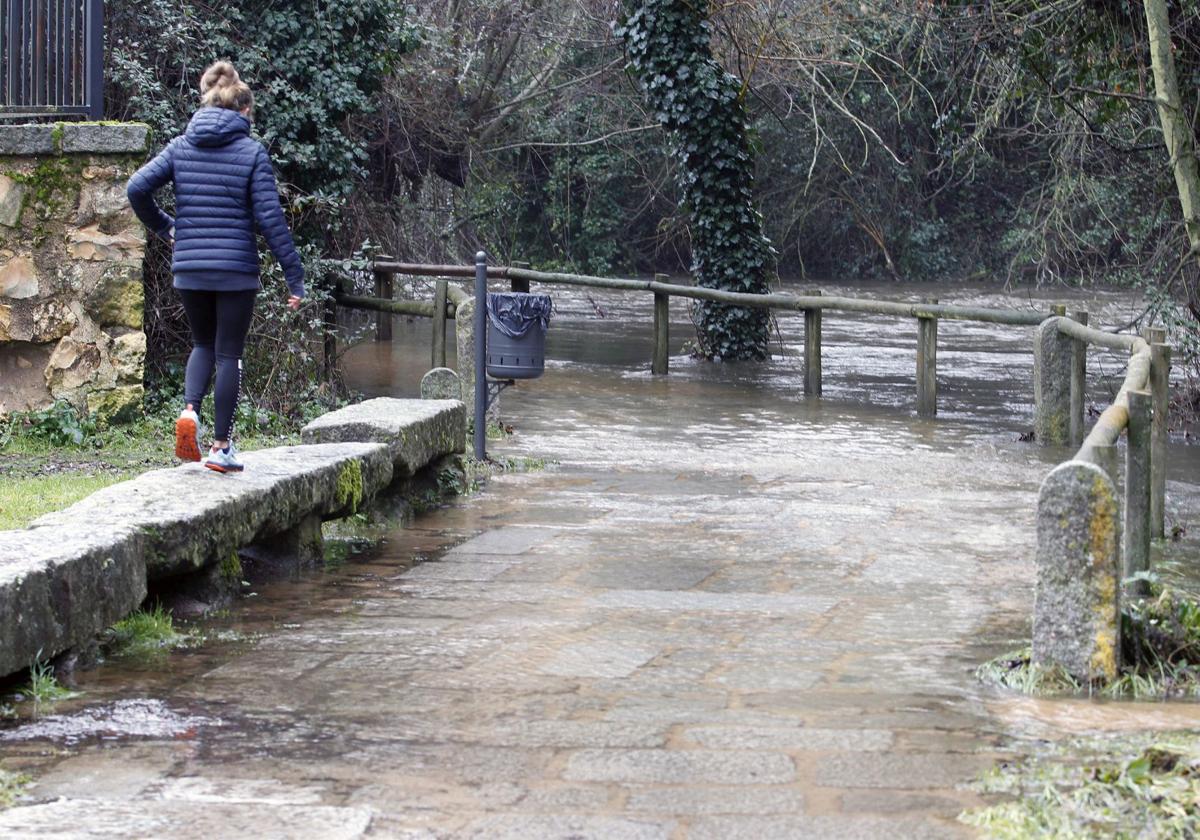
(720, 609)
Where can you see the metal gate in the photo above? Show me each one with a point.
(52, 58)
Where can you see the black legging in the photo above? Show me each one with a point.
(219, 322)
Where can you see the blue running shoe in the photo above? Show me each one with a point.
(223, 460)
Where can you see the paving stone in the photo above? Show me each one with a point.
(792, 738)
(676, 767)
(822, 828)
(768, 677)
(570, 733)
(896, 802)
(505, 541)
(647, 572)
(185, 820)
(598, 659)
(696, 801)
(524, 827)
(712, 602)
(910, 771)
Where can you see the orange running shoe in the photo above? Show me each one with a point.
(187, 436)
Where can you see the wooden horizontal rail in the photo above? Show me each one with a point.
(801, 303)
(419, 308)
(1091, 335)
(1115, 418)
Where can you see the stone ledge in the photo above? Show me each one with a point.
(75, 138)
(75, 572)
(59, 589)
(191, 518)
(416, 432)
(105, 138)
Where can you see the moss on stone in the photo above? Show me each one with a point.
(231, 568)
(115, 406)
(349, 490)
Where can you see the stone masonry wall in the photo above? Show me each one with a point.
(71, 300)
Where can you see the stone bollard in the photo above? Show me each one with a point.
(441, 383)
(1053, 361)
(1077, 614)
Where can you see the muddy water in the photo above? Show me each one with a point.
(722, 610)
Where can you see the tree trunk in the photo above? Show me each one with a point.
(1177, 132)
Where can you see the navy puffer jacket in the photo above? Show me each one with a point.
(224, 190)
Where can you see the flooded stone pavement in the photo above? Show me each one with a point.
(720, 611)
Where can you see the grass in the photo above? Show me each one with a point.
(24, 499)
(11, 785)
(144, 632)
(43, 689)
(1160, 654)
(51, 459)
(1145, 786)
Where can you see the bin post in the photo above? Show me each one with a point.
(481, 356)
(441, 289)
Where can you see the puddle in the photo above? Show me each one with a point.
(112, 721)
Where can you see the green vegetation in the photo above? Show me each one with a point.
(51, 458)
(1147, 786)
(702, 108)
(11, 785)
(144, 632)
(25, 498)
(43, 688)
(1160, 655)
(349, 492)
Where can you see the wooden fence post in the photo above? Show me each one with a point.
(1137, 490)
(440, 290)
(515, 284)
(1052, 360)
(1160, 369)
(812, 349)
(662, 334)
(927, 364)
(1078, 381)
(384, 288)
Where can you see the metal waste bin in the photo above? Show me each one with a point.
(516, 334)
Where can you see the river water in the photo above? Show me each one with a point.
(720, 609)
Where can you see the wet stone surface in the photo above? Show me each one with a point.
(725, 612)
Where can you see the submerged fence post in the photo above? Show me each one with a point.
(1137, 491)
(660, 364)
(812, 349)
(1052, 361)
(1077, 614)
(1078, 381)
(384, 288)
(440, 291)
(927, 364)
(1160, 369)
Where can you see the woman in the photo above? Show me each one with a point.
(224, 190)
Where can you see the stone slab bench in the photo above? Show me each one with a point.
(75, 572)
(416, 432)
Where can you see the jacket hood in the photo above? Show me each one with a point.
(216, 127)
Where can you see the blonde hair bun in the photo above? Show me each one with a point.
(222, 87)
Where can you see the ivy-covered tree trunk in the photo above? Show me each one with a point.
(699, 104)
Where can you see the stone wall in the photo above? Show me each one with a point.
(71, 300)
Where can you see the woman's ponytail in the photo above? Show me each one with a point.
(221, 87)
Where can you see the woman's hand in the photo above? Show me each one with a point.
(293, 302)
